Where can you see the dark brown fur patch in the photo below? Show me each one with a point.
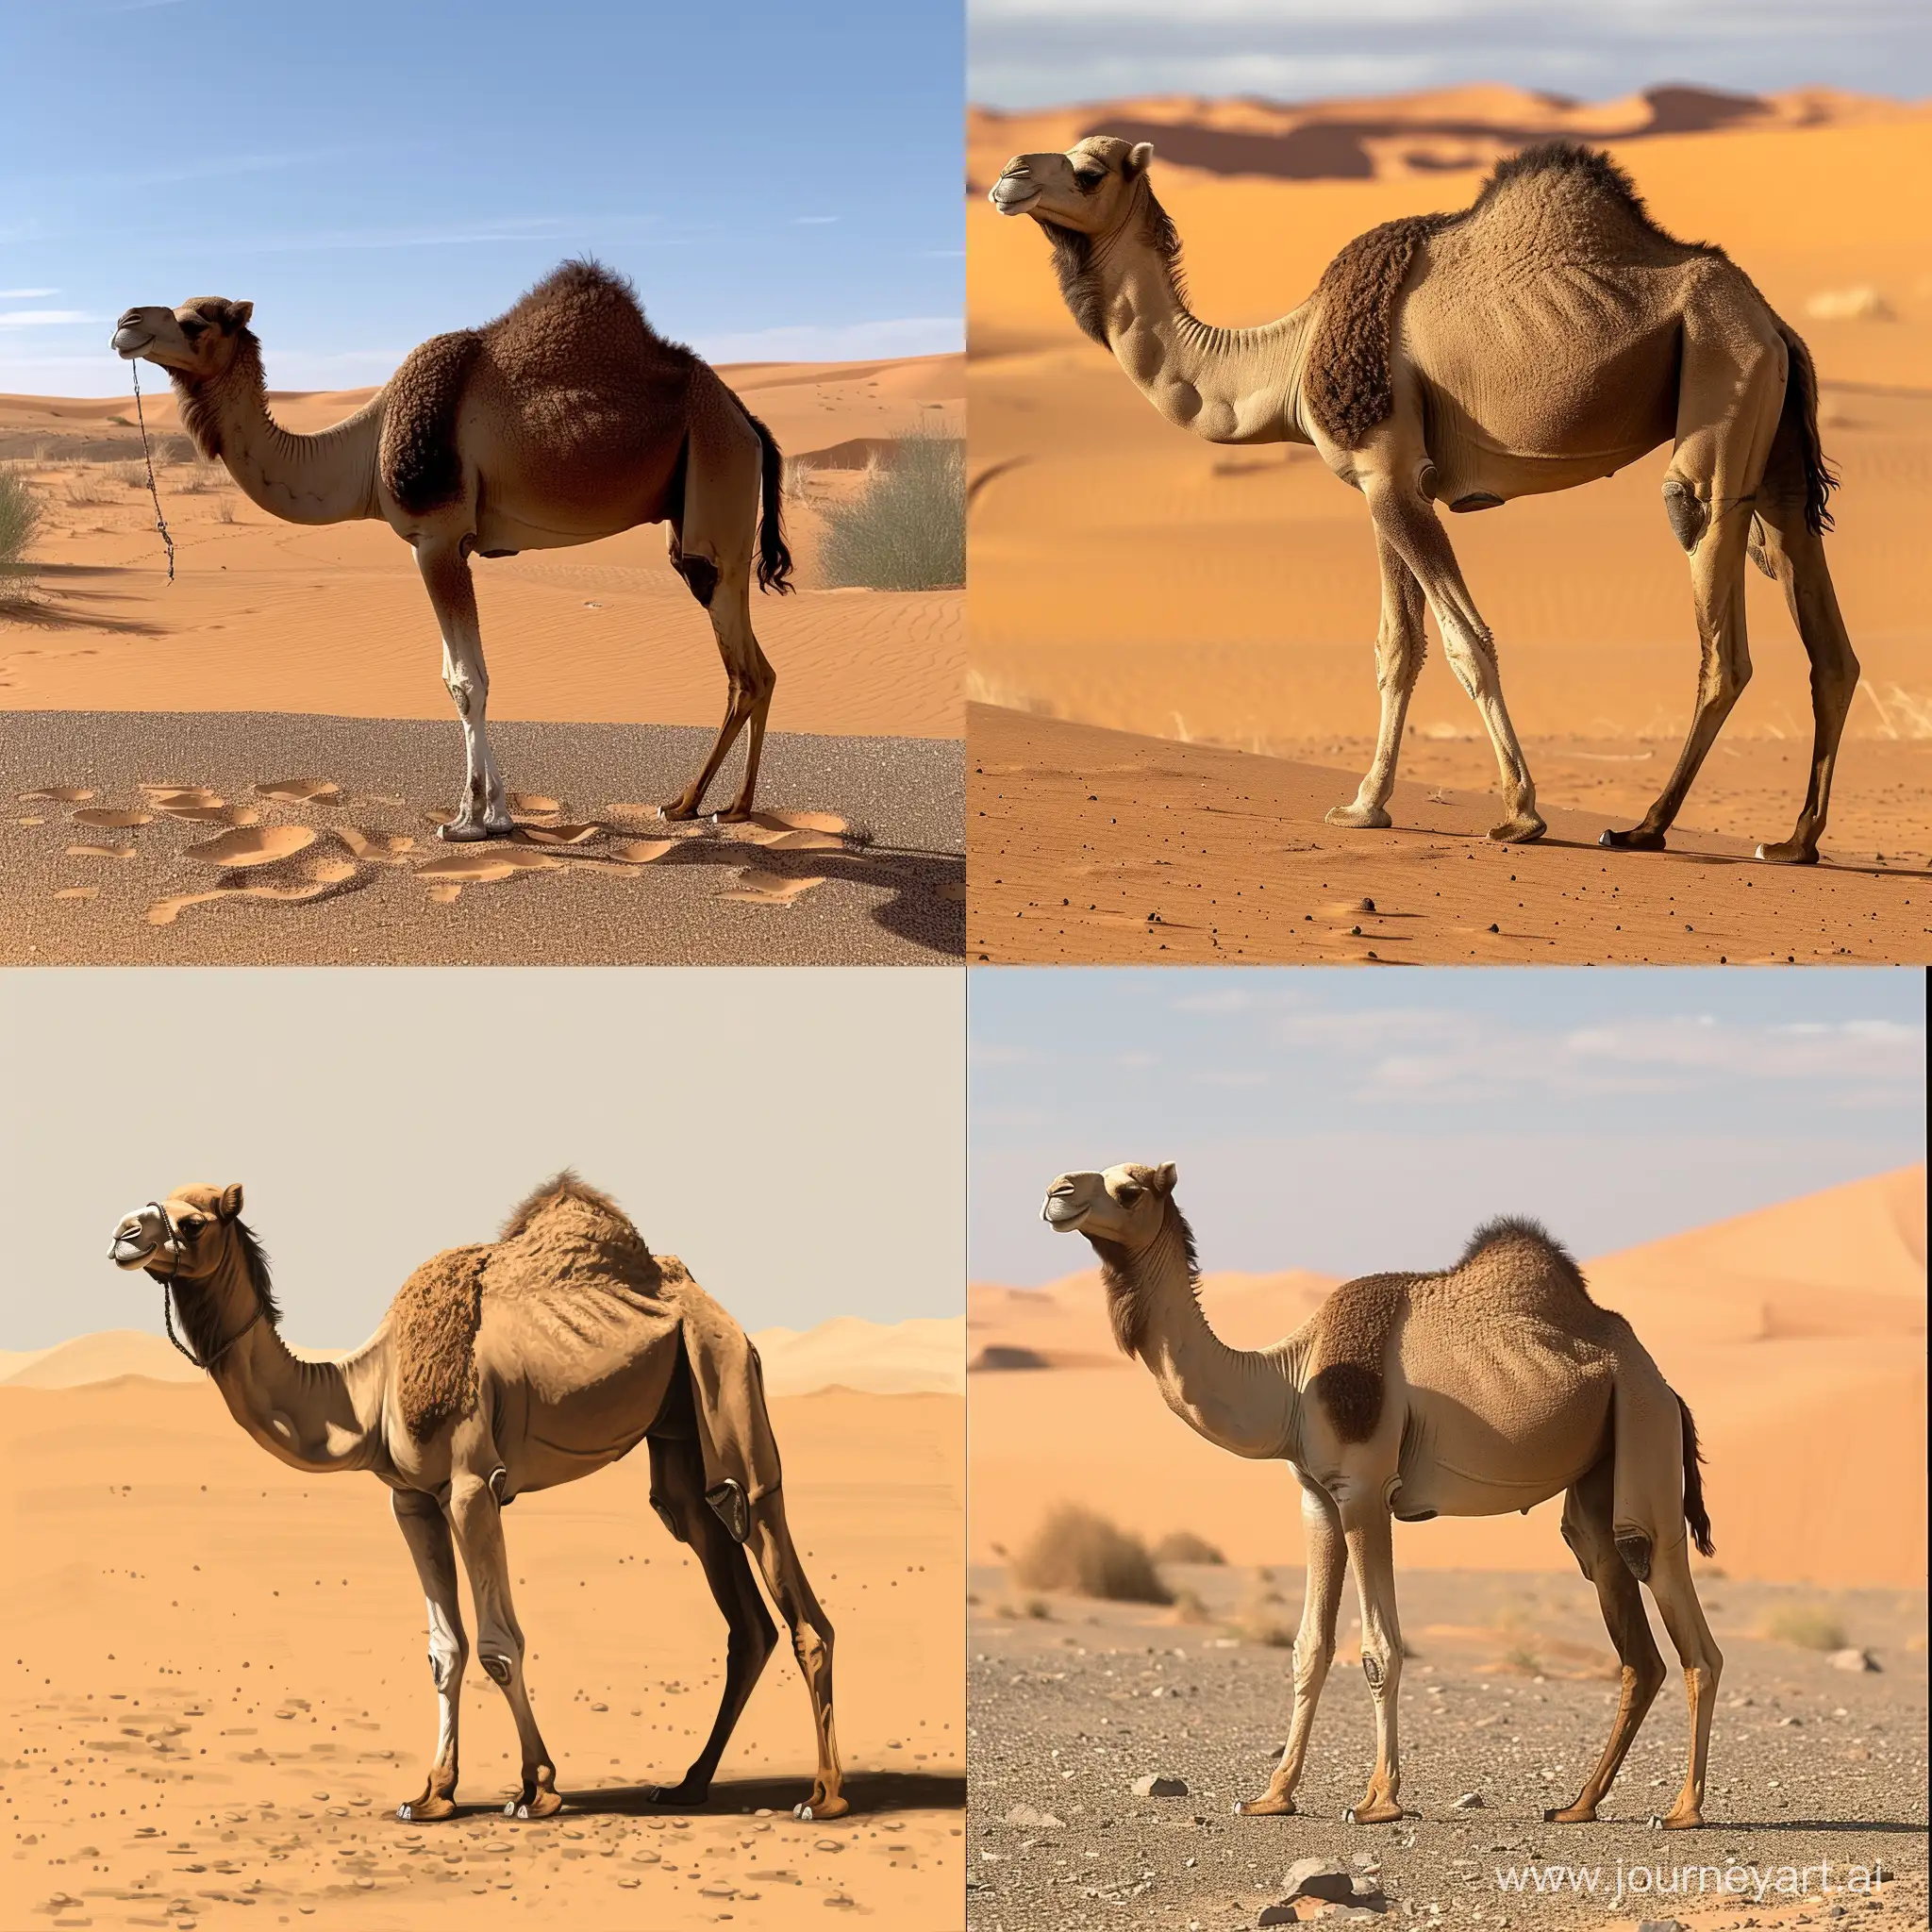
(418, 461)
(1349, 386)
(1350, 1347)
(432, 1325)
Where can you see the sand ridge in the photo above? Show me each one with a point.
(220, 1666)
(1796, 1335)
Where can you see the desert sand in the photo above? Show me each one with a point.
(259, 1636)
(1130, 577)
(1795, 1334)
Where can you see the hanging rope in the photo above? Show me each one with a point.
(147, 456)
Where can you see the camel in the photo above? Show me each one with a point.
(501, 1369)
(567, 419)
(1547, 335)
(1490, 1386)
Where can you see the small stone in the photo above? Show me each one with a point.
(827, 1844)
(1325, 1878)
(1470, 1801)
(1030, 1818)
(1154, 1786)
(1852, 1660)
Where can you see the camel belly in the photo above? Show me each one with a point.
(1502, 1423)
(553, 1427)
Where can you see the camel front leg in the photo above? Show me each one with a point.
(1408, 521)
(1371, 1549)
(478, 1524)
(1314, 1647)
(1400, 647)
(811, 1643)
(426, 1529)
(485, 807)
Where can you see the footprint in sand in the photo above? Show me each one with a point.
(486, 866)
(79, 893)
(800, 822)
(101, 851)
(253, 845)
(300, 790)
(555, 835)
(29, 821)
(106, 818)
(377, 849)
(767, 889)
(793, 841)
(58, 794)
(641, 851)
(179, 797)
(534, 802)
(318, 876)
(213, 814)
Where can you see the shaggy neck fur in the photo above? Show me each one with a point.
(1239, 1399)
(316, 1416)
(1127, 290)
(326, 478)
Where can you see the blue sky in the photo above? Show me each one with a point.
(1350, 1121)
(796, 1134)
(1033, 53)
(779, 180)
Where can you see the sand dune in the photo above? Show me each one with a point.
(266, 616)
(917, 1356)
(1129, 576)
(258, 1634)
(1795, 1334)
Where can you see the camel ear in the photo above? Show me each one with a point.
(231, 1204)
(1139, 156)
(1165, 1177)
(238, 314)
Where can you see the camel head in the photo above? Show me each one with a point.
(1088, 189)
(1126, 1206)
(196, 343)
(183, 1238)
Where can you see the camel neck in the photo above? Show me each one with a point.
(1228, 385)
(326, 478)
(320, 1416)
(1239, 1399)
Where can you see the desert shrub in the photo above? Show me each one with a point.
(203, 479)
(1811, 1626)
(1188, 1609)
(1184, 1546)
(19, 523)
(224, 509)
(89, 487)
(799, 474)
(1073, 1549)
(906, 530)
(130, 475)
(1264, 1617)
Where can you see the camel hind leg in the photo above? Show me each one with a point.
(1588, 1528)
(712, 545)
(1793, 553)
(677, 1494)
(1728, 406)
(1372, 1551)
(811, 1643)
(1400, 646)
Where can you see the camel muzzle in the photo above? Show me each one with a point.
(1013, 195)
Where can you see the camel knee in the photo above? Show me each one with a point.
(1690, 515)
(1471, 652)
(1382, 1665)
(1634, 1547)
(1312, 1660)
(752, 1640)
(700, 576)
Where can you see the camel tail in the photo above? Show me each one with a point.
(1801, 419)
(1694, 1513)
(774, 559)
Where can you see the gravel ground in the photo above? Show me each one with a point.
(1507, 1694)
(893, 894)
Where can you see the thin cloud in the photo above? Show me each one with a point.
(44, 318)
(26, 295)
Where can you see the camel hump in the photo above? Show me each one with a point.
(418, 459)
(432, 1326)
(1350, 1350)
(564, 1196)
(1350, 387)
(1527, 1239)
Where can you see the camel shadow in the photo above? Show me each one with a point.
(1892, 1826)
(1734, 858)
(927, 902)
(870, 1793)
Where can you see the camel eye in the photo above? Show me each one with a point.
(1087, 179)
(191, 329)
(191, 1225)
(1127, 1193)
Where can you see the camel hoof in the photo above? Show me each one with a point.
(805, 1812)
(405, 1812)
(827, 1807)
(1264, 1807)
(462, 832)
(1361, 818)
(1635, 839)
(1791, 852)
(677, 813)
(1573, 1814)
(1521, 831)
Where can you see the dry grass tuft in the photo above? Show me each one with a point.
(1810, 1627)
(1184, 1546)
(906, 529)
(1075, 1550)
(89, 487)
(19, 523)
